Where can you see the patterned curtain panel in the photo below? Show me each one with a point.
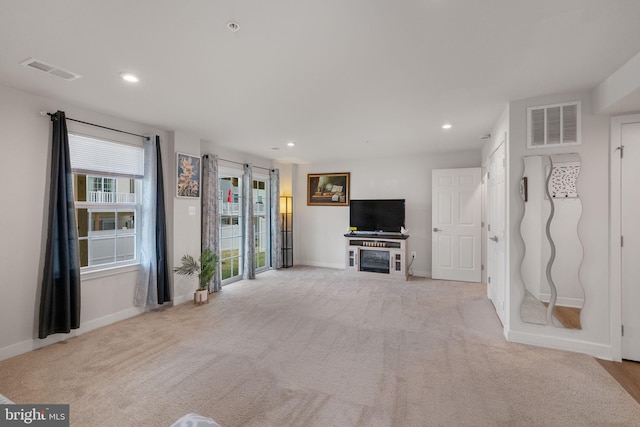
(276, 236)
(249, 270)
(211, 214)
(60, 293)
(153, 284)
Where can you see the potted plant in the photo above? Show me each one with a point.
(205, 268)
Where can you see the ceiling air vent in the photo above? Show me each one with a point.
(553, 125)
(50, 69)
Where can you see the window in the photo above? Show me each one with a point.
(107, 187)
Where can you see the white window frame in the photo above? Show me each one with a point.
(93, 208)
(116, 202)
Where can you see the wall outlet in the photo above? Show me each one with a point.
(413, 254)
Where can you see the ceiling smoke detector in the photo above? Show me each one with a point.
(233, 26)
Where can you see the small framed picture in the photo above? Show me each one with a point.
(188, 175)
(328, 189)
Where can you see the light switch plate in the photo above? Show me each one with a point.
(192, 210)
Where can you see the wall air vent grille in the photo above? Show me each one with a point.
(50, 69)
(554, 125)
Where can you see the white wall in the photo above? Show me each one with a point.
(319, 230)
(594, 338)
(620, 92)
(186, 237)
(24, 168)
(286, 177)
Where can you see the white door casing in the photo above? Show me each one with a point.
(625, 236)
(496, 225)
(456, 224)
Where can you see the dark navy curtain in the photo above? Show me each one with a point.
(164, 291)
(153, 286)
(60, 292)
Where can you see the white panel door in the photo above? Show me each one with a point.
(496, 224)
(456, 227)
(630, 267)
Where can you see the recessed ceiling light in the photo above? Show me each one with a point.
(446, 126)
(233, 26)
(291, 143)
(131, 78)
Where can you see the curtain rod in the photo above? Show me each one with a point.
(240, 163)
(43, 113)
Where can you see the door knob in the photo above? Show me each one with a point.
(436, 229)
(494, 238)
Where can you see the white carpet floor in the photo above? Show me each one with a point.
(319, 347)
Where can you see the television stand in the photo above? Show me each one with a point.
(384, 253)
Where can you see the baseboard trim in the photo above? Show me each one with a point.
(34, 344)
(183, 298)
(420, 273)
(340, 266)
(600, 351)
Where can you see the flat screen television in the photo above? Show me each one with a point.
(376, 216)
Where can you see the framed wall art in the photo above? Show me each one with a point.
(328, 189)
(188, 175)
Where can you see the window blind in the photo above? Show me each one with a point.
(90, 155)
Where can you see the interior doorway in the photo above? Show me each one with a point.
(456, 224)
(625, 236)
(496, 226)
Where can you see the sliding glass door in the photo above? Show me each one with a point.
(261, 223)
(230, 196)
(231, 220)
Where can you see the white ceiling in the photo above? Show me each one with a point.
(340, 78)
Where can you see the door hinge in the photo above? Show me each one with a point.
(488, 227)
(621, 241)
(489, 279)
(622, 329)
(482, 224)
(488, 175)
(482, 267)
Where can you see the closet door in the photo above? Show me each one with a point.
(456, 224)
(626, 140)
(496, 224)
